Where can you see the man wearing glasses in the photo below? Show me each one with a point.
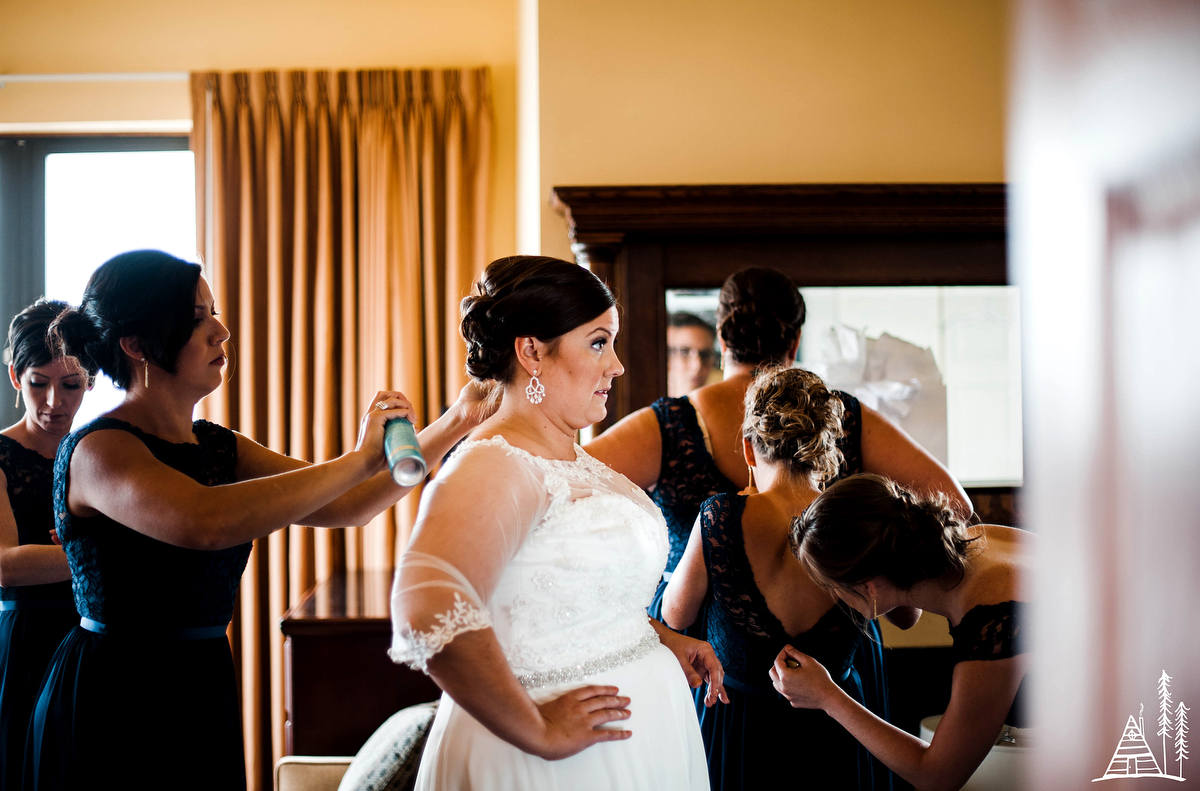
(690, 355)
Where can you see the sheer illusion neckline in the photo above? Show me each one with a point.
(23, 448)
(582, 458)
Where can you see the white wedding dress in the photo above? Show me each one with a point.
(560, 559)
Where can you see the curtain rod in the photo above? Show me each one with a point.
(119, 76)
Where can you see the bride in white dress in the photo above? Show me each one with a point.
(523, 591)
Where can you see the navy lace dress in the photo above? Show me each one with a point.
(688, 476)
(33, 618)
(142, 694)
(758, 737)
(989, 632)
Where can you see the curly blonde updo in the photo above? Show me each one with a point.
(794, 419)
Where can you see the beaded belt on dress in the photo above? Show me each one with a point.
(185, 633)
(564, 675)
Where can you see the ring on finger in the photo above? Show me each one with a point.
(381, 405)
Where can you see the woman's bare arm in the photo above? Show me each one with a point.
(688, 585)
(114, 473)
(32, 564)
(632, 447)
(889, 452)
(981, 694)
(362, 502)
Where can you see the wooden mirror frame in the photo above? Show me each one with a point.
(643, 240)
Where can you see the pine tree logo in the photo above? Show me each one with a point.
(1133, 758)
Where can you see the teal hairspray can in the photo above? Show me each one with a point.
(403, 452)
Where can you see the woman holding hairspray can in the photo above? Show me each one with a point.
(156, 513)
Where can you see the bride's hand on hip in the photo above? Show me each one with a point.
(570, 722)
(699, 663)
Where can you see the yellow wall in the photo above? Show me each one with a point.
(700, 91)
(72, 36)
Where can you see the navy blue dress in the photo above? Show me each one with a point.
(688, 475)
(142, 694)
(33, 618)
(758, 737)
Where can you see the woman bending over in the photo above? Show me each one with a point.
(878, 546)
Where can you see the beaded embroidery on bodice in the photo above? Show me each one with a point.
(572, 600)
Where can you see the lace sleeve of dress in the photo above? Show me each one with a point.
(416, 647)
(473, 519)
(989, 632)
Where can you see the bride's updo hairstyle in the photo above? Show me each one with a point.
(146, 294)
(759, 315)
(867, 526)
(526, 296)
(792, 418)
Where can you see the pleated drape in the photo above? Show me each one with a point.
(341, 216)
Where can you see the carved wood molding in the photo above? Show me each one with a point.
(606, 215)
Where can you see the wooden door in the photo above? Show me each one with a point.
(1105, 199)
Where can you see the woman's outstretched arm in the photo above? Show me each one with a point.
(888, 451)
(632, 447)
(114, 473)
(981, 694)
(363, 502)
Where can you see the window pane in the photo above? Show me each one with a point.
(101, 204)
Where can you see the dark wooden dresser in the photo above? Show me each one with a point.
(340, 684)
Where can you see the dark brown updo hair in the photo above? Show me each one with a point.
(27, 346)
(792, 418)
(867, 526)
(146, 294)
(759, 315)
(525, 296)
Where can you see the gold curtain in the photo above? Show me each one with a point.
(341, 217)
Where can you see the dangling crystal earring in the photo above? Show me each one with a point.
(535, 391)
(18, 404)
(146, 372)
(875, 606)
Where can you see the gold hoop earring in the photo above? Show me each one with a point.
(146, 372)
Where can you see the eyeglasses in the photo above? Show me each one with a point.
(687, 353)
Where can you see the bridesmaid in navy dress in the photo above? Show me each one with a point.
(688, 449)
(36, 609)
(760, 598)
(157, 513)
(879, 546)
